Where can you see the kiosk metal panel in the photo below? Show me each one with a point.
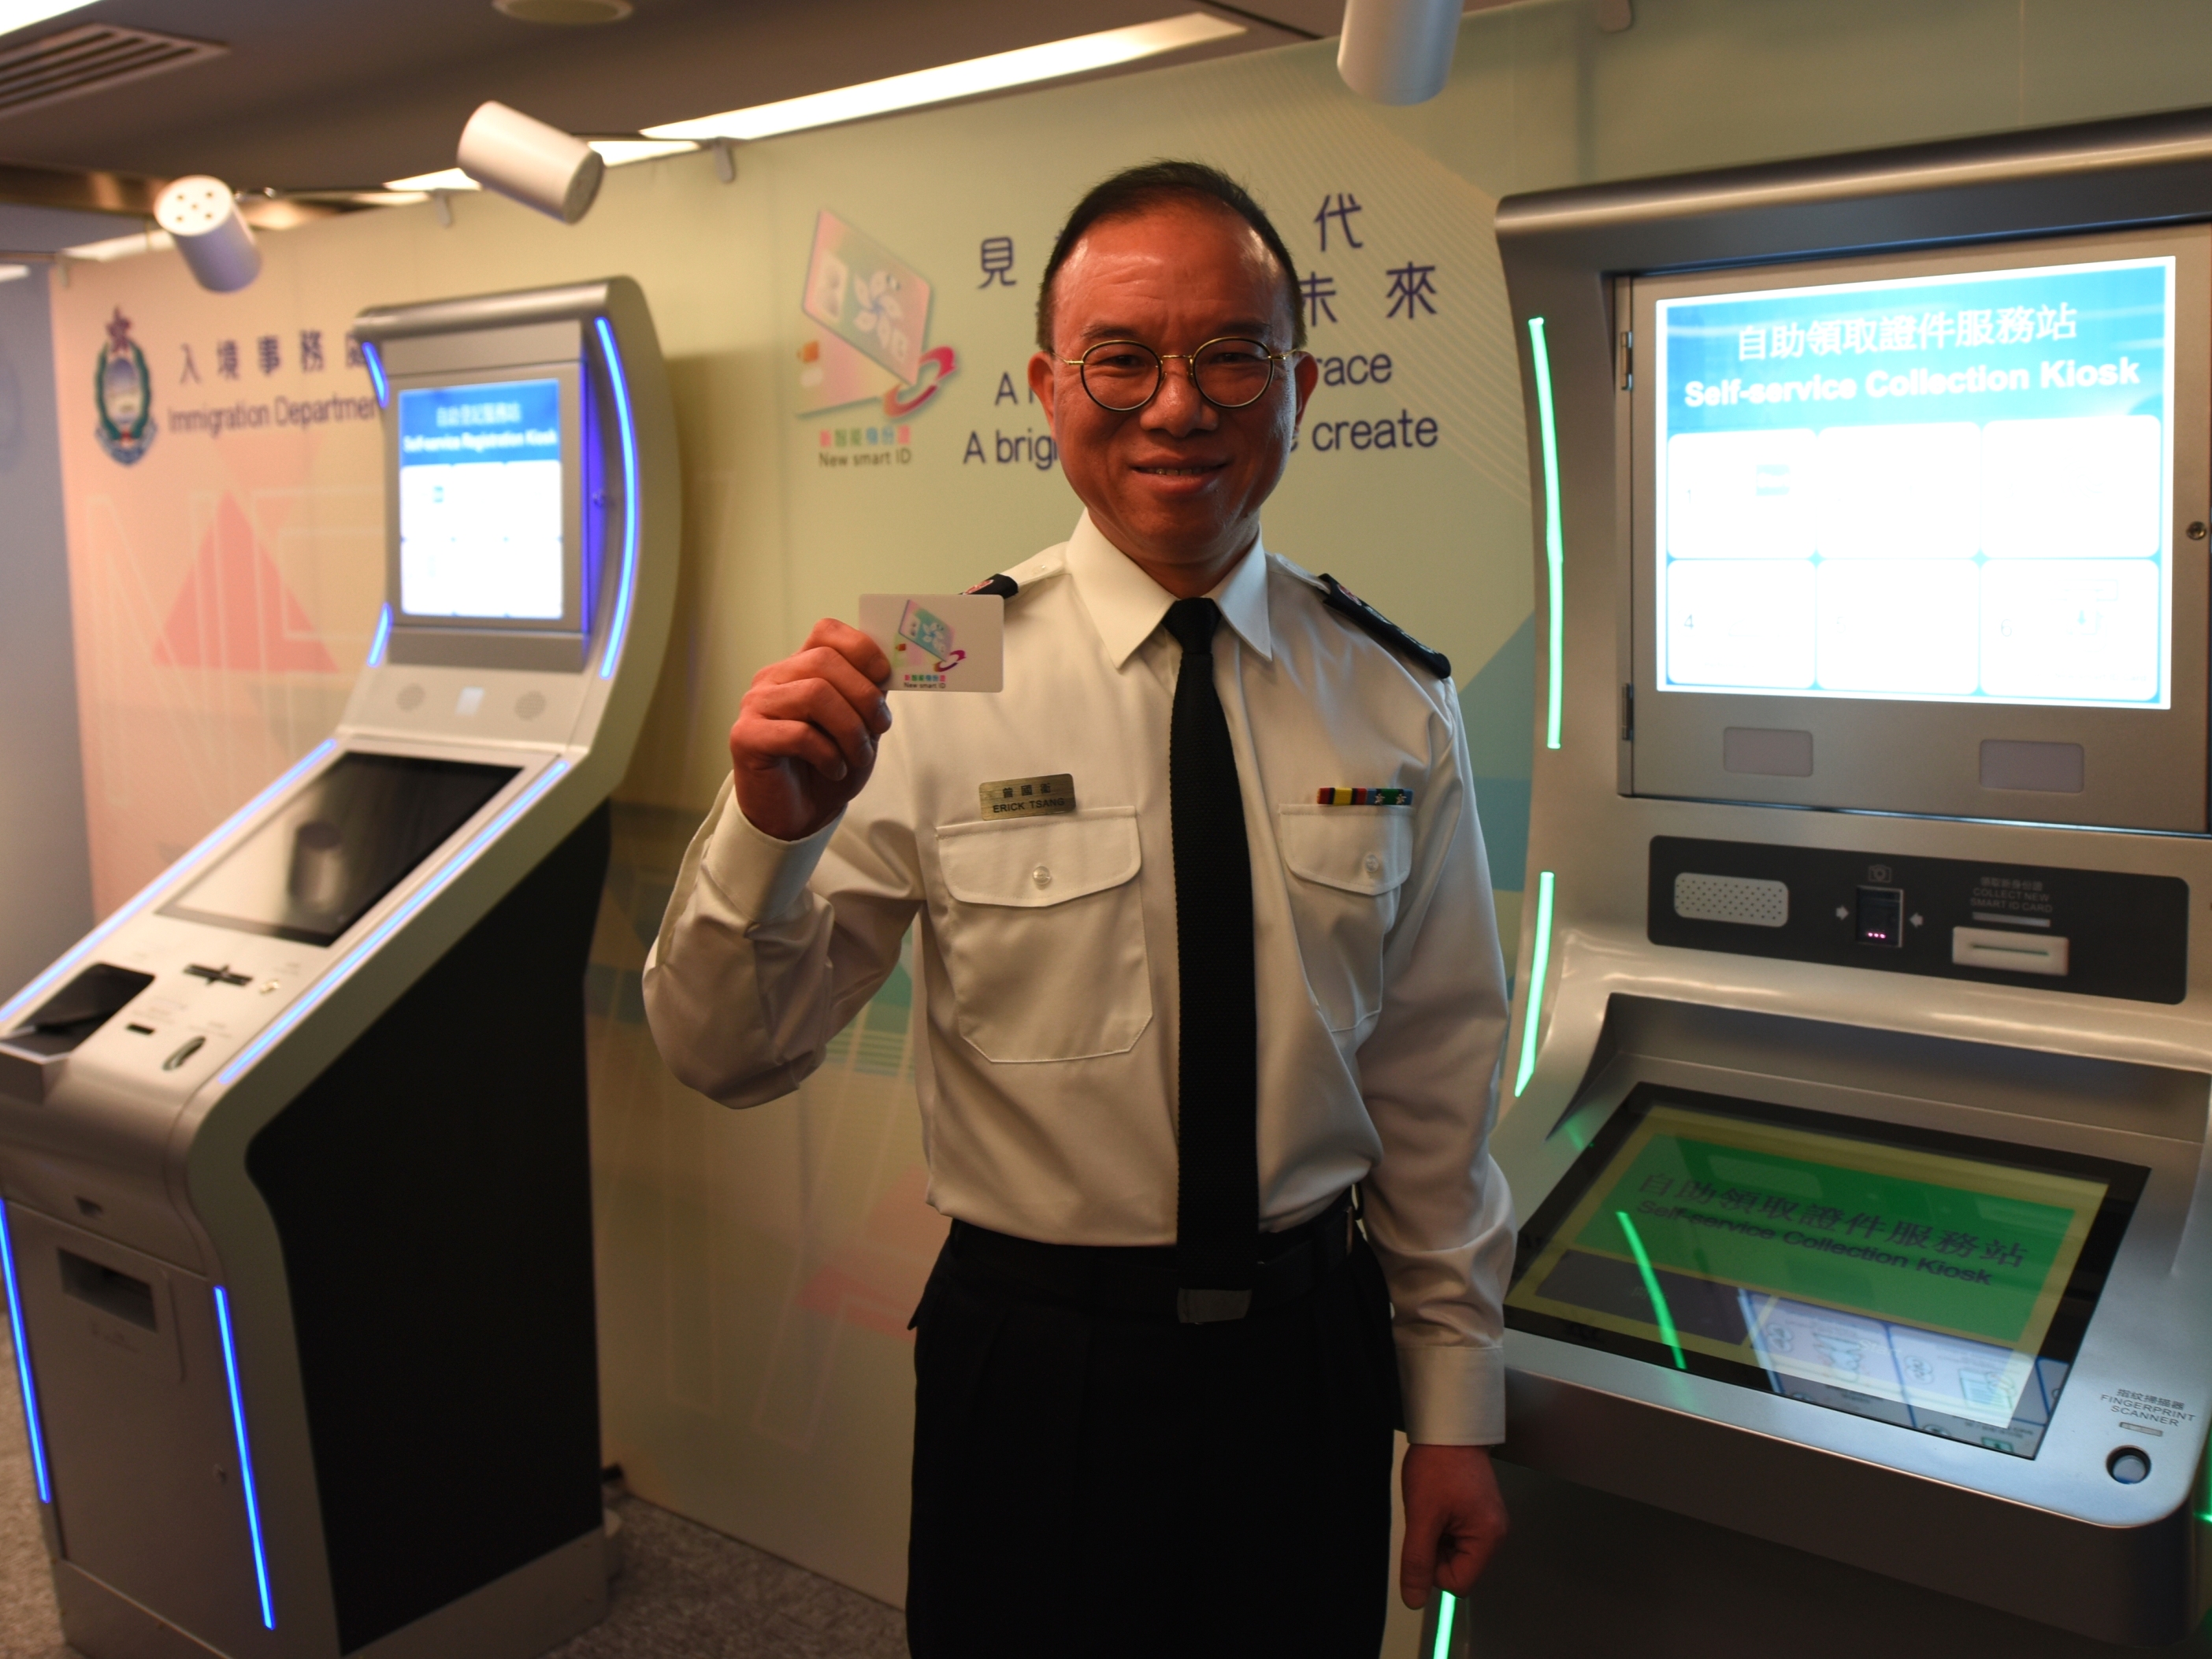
(2099, 933)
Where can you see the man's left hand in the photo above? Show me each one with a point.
(1455, 1519)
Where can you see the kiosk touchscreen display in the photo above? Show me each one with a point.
(1951, 488)
(344, 840)
(1939, 1283)
(480, 501)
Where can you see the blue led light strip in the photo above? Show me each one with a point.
(382, 636)
(621, 386)
(23, 1363)
(245, 1457)
(146, 895)
(1447, 1605)
(315, 996)
(1537, 968)
(1555, 557)
(374, 358)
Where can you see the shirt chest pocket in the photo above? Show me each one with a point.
(1043, 935)
(1347, 867)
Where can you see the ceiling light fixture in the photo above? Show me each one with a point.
(444, 179)
(1398, 51)
(201, 216)
(1054, 60)
(536, 165)
(22, 14)
(615, 152)
(621, 152)
(564, 14)
(148, 241)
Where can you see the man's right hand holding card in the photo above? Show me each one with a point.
(805, 743)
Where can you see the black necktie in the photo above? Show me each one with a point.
(1216, 1068)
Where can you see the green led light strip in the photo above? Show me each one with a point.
(1446, 1605)
(1651, 1289)
(1555, 556)
(1536, 970)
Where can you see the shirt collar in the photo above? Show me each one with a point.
(1126, 605)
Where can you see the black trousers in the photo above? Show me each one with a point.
(1087, 1483)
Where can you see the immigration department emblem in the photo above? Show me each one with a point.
(123, 392)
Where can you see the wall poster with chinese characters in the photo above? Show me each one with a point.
(220, 457)
(1914, 1279)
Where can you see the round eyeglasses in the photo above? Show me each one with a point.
(1122, 375)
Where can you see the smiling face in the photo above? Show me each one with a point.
(1177, 485)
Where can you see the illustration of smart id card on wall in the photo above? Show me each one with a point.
(867, 296)
(938, 641)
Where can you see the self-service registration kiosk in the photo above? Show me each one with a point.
(1856, 1095)
(293, 1147)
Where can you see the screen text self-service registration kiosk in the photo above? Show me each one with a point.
(297, 1211)
(1858, 1081)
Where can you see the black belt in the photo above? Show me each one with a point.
(1139, 1282)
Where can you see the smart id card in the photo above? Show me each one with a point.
(867, 296)
(938, 641)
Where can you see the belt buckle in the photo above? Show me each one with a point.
(1212, 1307)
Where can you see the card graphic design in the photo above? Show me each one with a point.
(868, 333)
(867, 296)
(938, 641)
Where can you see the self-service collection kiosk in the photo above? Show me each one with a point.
(294, 1146)
(1856, 1093)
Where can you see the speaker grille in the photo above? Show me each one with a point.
(90, 59)
(1740, 899)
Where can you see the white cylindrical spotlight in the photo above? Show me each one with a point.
(201, 214)
(538, 166)
(1398, 51)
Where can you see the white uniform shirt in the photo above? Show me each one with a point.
(1047, 981)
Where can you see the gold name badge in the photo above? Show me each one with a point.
(1017, 797)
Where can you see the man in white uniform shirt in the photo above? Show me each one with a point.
(1238, 960)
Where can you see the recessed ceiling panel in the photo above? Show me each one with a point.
(90, 59)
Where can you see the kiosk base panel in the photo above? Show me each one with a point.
(1584, 1572)
(447, 1342)
(102, 1623)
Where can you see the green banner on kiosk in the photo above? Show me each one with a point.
(1916, 1276)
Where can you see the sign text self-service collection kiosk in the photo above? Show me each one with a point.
(293, 1147)
(1859, 1084)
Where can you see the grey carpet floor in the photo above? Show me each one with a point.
(683, 1592)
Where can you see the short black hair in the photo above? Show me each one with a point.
(1133, 191)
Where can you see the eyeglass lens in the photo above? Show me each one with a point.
(1124, 374)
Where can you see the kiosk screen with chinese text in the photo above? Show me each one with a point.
(1950, 488)
(1929, 1281)
(480, 501)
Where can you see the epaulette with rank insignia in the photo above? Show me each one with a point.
(1004, 586)
(1342, 600)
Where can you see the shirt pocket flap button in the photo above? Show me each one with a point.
(1033, 862)
(1355, 849)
